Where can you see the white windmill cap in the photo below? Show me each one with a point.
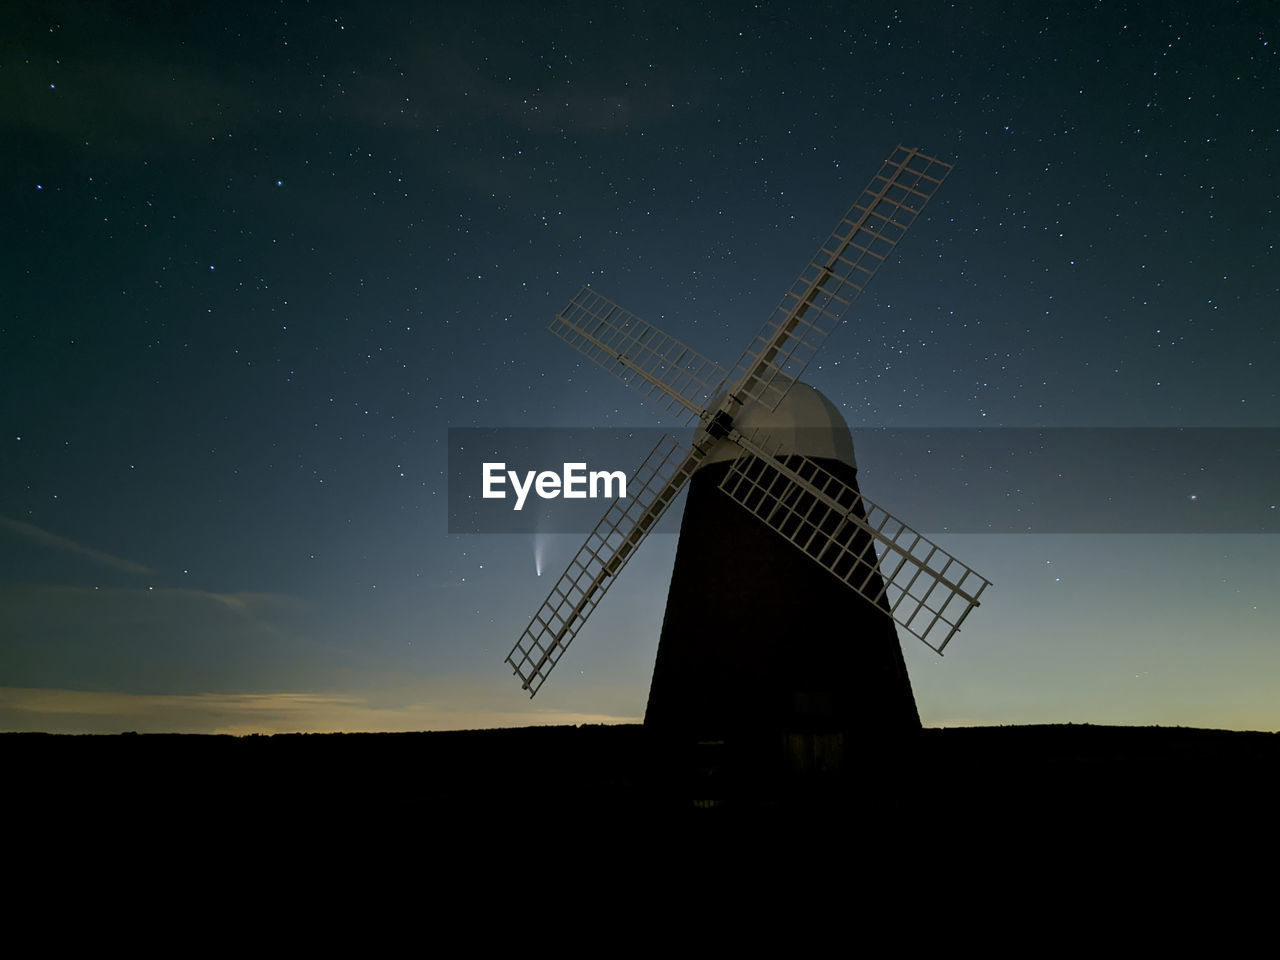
(805, 422)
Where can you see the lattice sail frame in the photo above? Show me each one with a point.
(652, 488)
(814, 305)
(924, 588)
(672, 375)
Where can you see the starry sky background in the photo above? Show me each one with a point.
(258, 258)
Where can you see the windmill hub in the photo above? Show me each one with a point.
(721, 425)
(804, 422)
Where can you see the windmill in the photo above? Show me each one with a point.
(787, 581)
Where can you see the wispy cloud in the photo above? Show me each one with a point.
(45, 538)
(83, 711)
(158, 639)
(133, 91)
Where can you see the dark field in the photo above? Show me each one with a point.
(1004, 781)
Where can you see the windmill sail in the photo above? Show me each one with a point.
(925, 589)
(675, 377)
(863, 239)
(626, 523)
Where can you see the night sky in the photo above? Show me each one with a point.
(259, 258)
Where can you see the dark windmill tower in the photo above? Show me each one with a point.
(753, 642)
(787, 582)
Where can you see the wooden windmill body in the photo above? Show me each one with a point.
(787, 581)
(756, 639)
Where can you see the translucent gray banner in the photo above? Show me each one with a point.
(958, 480)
